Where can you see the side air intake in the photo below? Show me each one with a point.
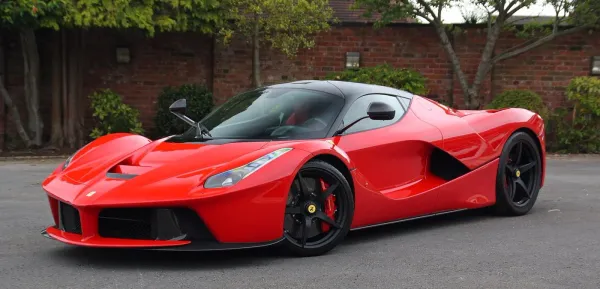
(446, 166)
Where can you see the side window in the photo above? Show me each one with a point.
(359, 109)
(405, 102)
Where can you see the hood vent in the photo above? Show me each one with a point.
(120, 176)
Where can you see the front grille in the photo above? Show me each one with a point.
(69, 220)
(152, 224)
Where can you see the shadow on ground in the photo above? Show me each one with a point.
(173, 260)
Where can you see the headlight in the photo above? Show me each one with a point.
(69, 159)
(231, 177)
(68, 162)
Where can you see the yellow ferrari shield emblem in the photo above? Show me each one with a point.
(312, 208)
(518, 173)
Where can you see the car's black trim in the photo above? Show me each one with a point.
(215, 246)
(199, 246)
(120, 176)
(408, 219)
(152, 224)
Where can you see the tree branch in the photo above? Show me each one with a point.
(514, 52)
(510, 13)
(429, 10)
(420, 14)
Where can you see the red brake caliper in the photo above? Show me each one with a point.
(329, 207)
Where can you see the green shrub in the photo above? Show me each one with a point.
(526, 99)
(385, 75)
(112, 115)
(199, 103)
(577, 130)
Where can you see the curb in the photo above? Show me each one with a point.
(26, 158)
(564, 156)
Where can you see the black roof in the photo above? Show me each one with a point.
(345, 89)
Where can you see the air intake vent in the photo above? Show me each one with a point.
(69, 218)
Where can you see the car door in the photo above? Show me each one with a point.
(391, 156)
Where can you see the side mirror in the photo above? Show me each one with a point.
(178, 106)
(178, 109)
(380, 111)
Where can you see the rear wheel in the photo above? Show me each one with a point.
(319, 210)
(519, 175)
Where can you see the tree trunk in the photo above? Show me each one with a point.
(256, 56)
(64, 94)
(79, 88)
(31, 60)
(56, 138)
(462, 78)
(16, 116)
(2, 77)
(485, 64)
(72, 109)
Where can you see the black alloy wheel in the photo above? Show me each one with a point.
(519, 175)
(319, 210)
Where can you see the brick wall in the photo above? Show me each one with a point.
(166, 59)
(173, 59)
(545, 70)
(415, 47)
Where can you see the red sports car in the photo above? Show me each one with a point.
(297, 164)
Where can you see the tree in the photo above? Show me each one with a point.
(286, 25)
(72, 17)
(571, 16)
(26, 16)
(204, 16)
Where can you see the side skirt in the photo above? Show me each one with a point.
(408, 219)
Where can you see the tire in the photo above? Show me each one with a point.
(316, 187)
(518, 178)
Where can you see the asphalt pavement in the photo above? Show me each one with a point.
(557, 245)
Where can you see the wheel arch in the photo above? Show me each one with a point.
(338, 164)
(538, 144)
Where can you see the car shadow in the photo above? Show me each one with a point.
(176, 260)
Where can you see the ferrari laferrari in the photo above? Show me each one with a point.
(297, 165)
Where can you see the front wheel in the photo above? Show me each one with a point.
(518, 178)
(319, 210)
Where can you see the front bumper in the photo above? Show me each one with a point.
(98, 242)
(249, 217)
(164, 228)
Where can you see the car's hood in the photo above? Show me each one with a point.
(162, 158)
(149, 170)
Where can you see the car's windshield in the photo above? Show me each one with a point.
(271, 113)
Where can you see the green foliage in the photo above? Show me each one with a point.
(150, 15)
(578, 130)
(286, 25)
(32, 13)
(199, 103)
(112, 115)
(526, 99)
(584, 12)
(386, 75)
(204, 16)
